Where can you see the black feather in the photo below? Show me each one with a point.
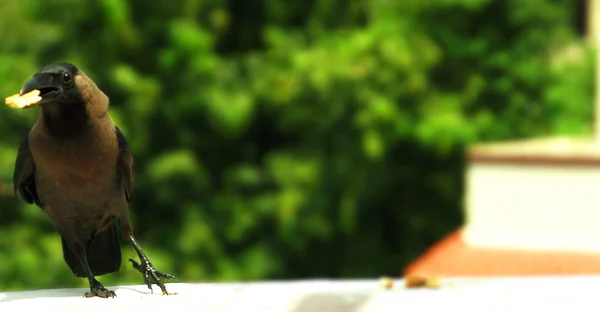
(103, 251)
(125, 164)
(24, 174)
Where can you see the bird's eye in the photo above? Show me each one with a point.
(67, 79)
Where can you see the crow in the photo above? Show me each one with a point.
(76, 165)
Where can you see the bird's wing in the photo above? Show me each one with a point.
(24, 174)
(125, 164)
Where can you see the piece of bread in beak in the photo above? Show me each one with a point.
(23, 101)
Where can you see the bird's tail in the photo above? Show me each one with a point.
(103, 252)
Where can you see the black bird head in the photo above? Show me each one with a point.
(57, 84)
(69, 98)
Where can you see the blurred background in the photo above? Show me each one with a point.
(288, 139)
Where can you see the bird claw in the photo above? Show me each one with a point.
(99, 291)
(152, 275)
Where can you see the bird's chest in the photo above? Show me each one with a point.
(73, 162)
(82, 178)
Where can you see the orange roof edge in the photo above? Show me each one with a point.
(451, 256)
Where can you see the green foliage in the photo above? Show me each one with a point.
(303, 139)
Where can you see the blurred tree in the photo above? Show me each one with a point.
(290, 139)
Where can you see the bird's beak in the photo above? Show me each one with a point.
(47, 84)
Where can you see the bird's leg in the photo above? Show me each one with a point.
(151, 274)
(96, 288)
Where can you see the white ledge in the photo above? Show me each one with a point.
(466, 294)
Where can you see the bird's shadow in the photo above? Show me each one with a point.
(43, 293)
(62, 293)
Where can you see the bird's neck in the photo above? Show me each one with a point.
(64, 120)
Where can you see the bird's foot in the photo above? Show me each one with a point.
(97, 290)
(152, 275)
